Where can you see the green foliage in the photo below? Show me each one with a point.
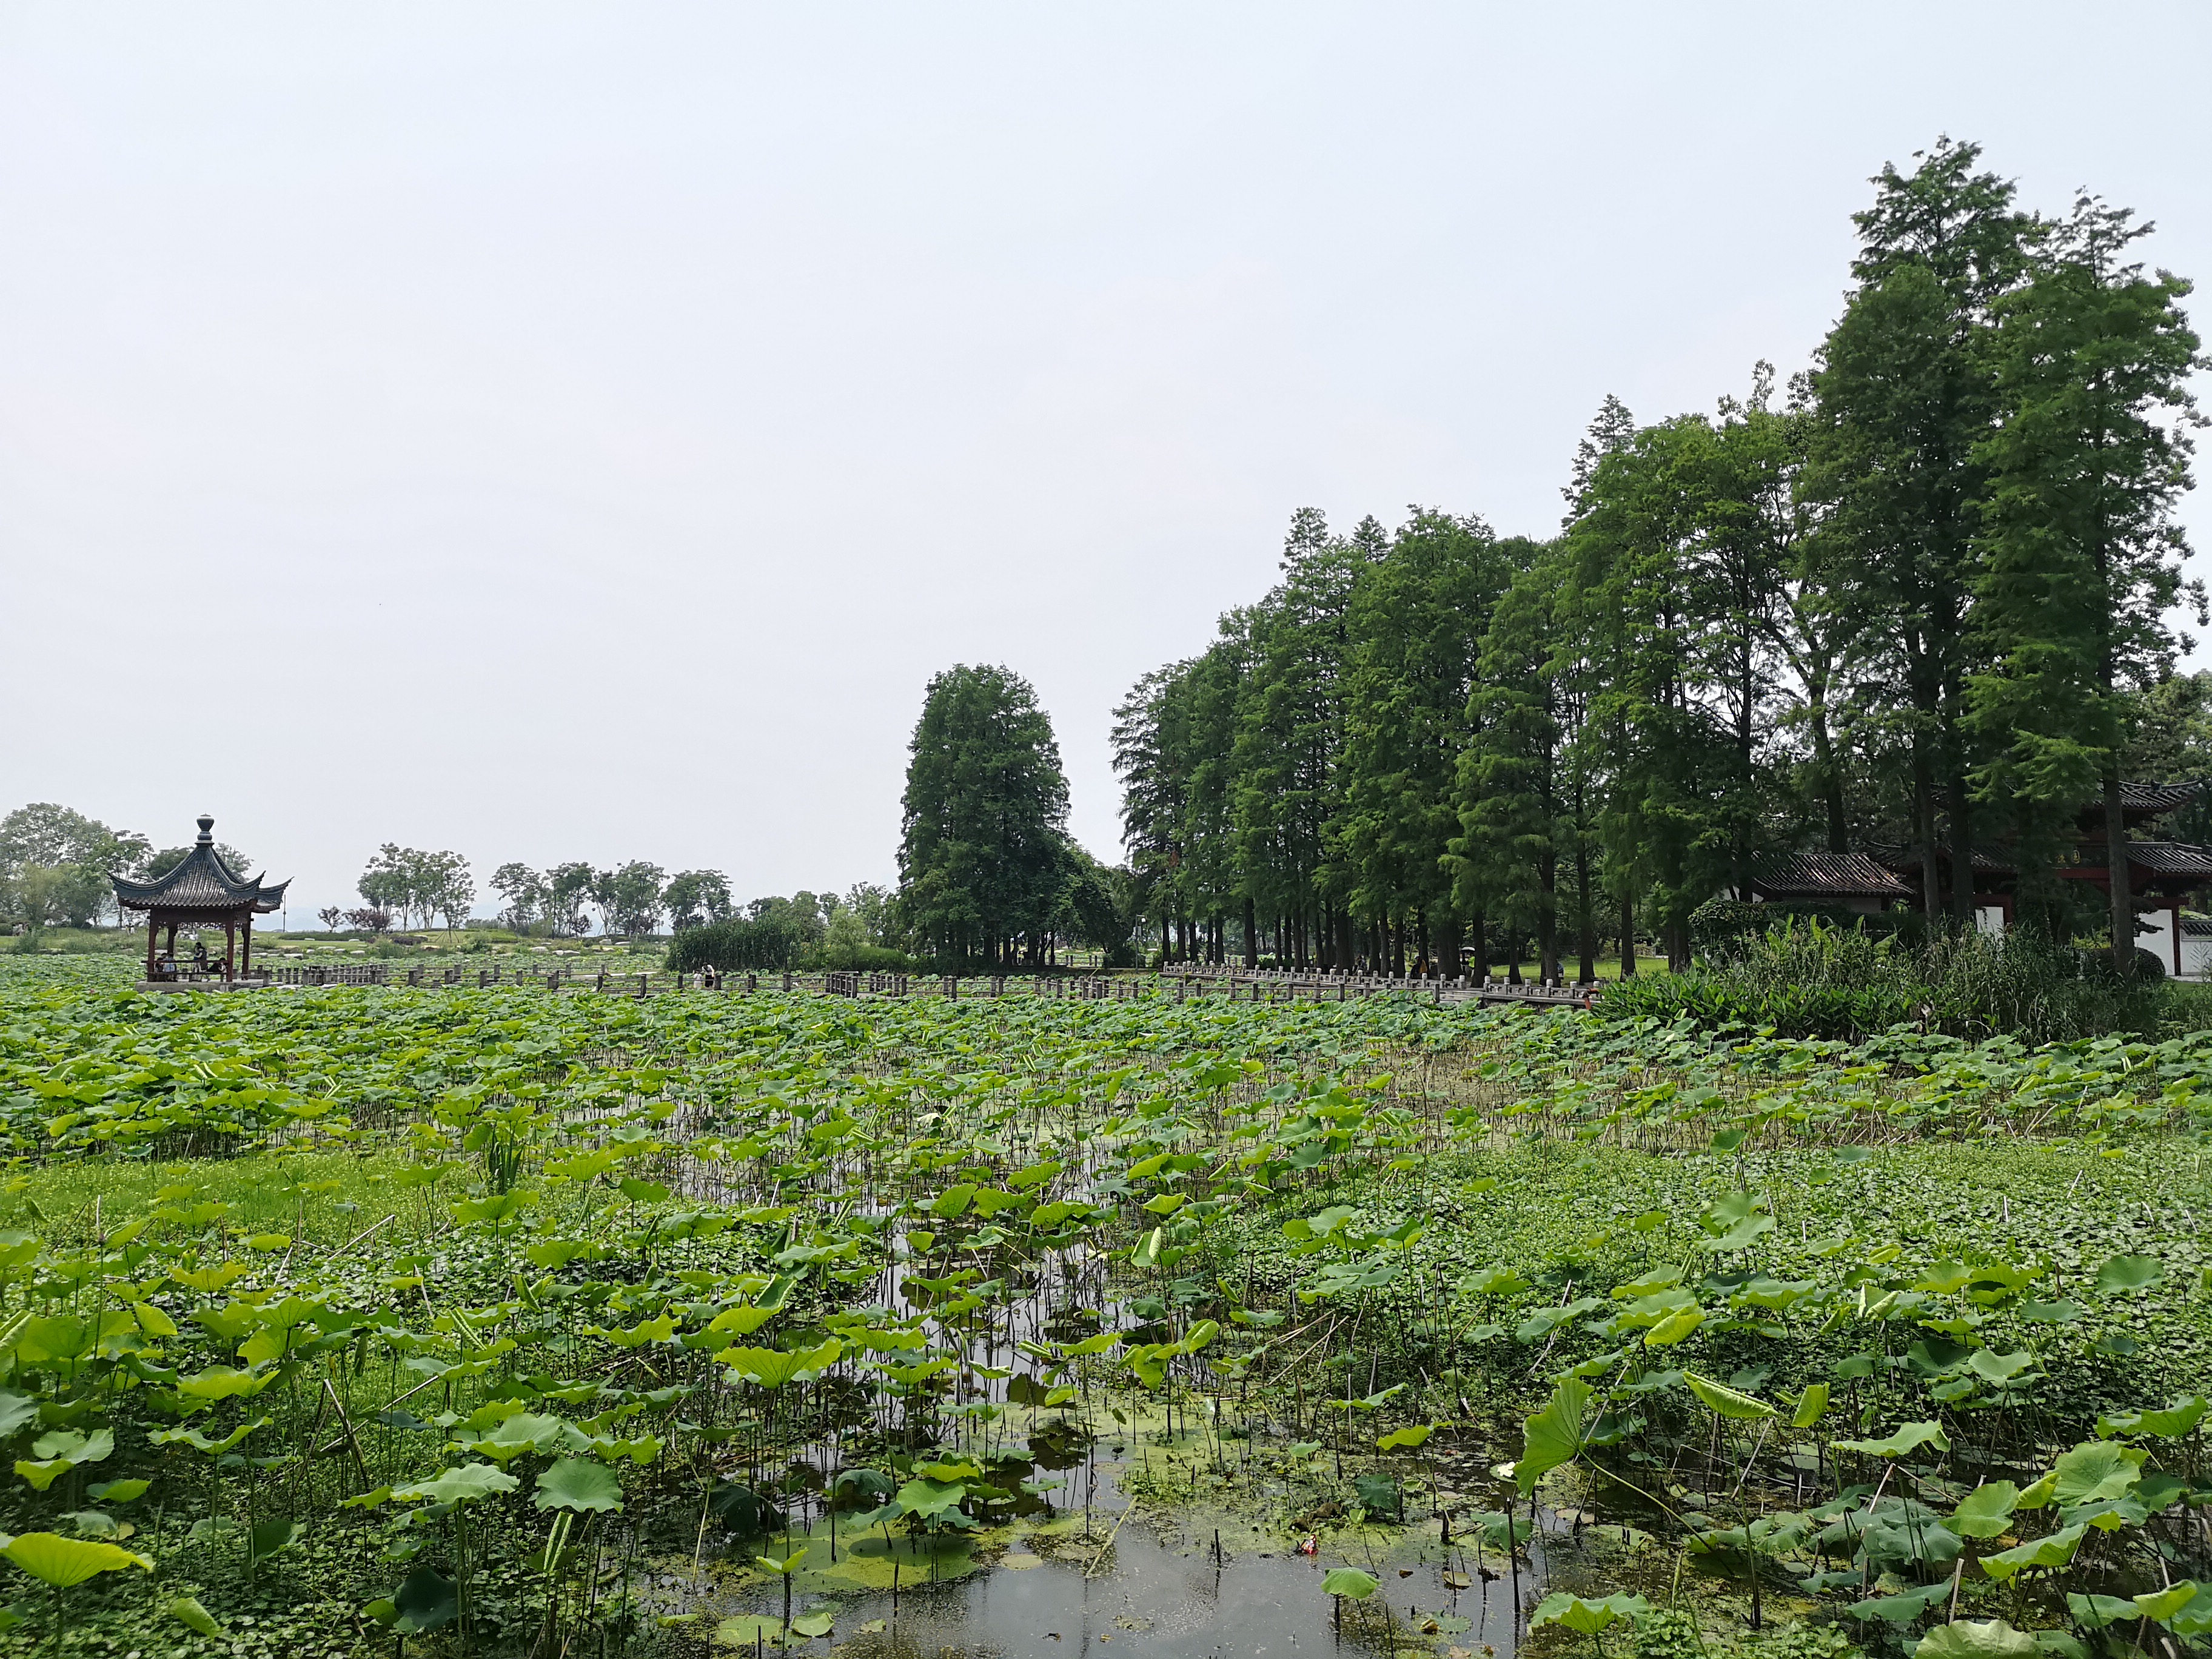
(735, 947)
(983, 852)
(1815, 981)
(677, 1280)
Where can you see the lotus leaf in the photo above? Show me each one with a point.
(575, 1483)
(1975, 1639)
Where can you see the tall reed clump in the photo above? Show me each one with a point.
(1810, 979)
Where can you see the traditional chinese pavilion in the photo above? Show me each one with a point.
(2160, 873)
(200, 892)
(1851, 880)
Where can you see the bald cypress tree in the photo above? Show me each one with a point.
(2080, 556)
(983, 853)
(1907, 398)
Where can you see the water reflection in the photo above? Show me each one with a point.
(1163, 1591)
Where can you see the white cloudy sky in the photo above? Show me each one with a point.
(556, 431)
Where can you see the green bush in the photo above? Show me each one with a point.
(733, 945)
(1812, 980)
(845, 956)
(1720, 926)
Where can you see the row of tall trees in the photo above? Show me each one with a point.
(1923, 595)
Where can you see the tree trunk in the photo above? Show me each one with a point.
(1478, 954)
(1627, 936)
(1831, 782)
(1585, 922)
(2116, 864)
(1924, 824)
(1447, 944)
(1962, 852)
(1251, 934)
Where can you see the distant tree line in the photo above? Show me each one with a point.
(1924, 595)
(54, 863)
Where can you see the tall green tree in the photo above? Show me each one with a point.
(54, 863)
(2080, 553)
(1665, 754)
(1292, 728)
(1152, 756)
(983, 848)
(1908, 399)
(1506, 858)
(1414, 622)
(1213, 872)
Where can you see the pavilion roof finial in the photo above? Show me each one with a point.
(201, 887)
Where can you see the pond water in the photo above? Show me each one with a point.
(1177, 1584)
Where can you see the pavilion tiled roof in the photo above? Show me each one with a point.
(1988, 860)
(1852, 875)
(2153, 798)
(201, 881)
(2171, 857)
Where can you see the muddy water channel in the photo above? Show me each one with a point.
(1155, 1576)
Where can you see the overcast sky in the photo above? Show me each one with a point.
(557, 432)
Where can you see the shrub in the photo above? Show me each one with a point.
(732, 946)
(849, 956)
(1812, 980)
(1721, 926)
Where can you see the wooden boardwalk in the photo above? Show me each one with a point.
(1183, 980)
(1276, 985)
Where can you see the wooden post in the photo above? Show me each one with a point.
(152, 926)
(229, 949)
(245, 946)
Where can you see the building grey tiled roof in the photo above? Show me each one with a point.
(1853, 875)
(1990, 859)
(201, 881)
(2171, 857)
(2157, 798)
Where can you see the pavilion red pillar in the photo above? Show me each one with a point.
(152, 928)
(229, 949)
(245, 946)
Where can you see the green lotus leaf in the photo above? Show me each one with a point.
(577, 1483)
(426, 1600)
(1975, 1639)
(1554, 1435)
(1590, 1617)
(463, 1485)
(2055, 1549)
(2096, 1472)
(187, 1611)
(2170, 1424)
(1986, 1511)
(62, 1562)
(1725, 1401)
(1910, 1437)
(2122, 1274)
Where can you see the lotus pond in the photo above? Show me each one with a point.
(370, 1321)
